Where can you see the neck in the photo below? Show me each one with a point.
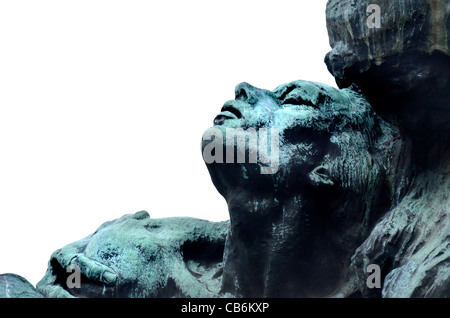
(277, 244)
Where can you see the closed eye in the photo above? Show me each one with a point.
(297, 100)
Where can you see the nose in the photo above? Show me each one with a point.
(246, 93)
(253, 95)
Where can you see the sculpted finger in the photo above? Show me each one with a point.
(94, 270)
(69, 259)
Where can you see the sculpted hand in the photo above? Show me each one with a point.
(72, 271)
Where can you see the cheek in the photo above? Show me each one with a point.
(257, 118)
(301, 153)
(298, 160)
(332, 150)
(307, 146)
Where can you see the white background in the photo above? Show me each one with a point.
(103, 105)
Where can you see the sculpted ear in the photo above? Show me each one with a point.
(321, 176)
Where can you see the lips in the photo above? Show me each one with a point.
(227, 112)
